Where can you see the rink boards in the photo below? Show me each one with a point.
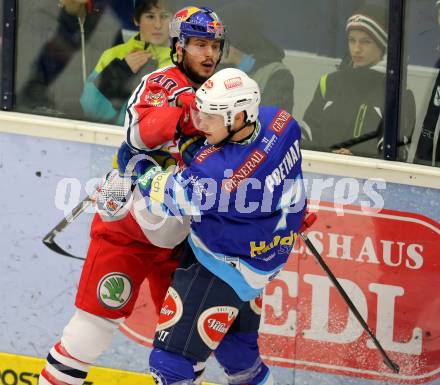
(23, 370)
(379, 237)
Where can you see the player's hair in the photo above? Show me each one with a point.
(143, 6)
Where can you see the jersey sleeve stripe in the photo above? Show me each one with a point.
(133, 138)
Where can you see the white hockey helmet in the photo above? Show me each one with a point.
(227, 93)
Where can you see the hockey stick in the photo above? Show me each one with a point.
(425, 146)
(308, 221)
(81, 22)
(363, 138)
(353, 141)
(110, 196)
(49, 239)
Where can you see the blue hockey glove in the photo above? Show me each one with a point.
(190, 146)
(135, 163)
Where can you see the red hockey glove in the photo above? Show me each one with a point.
(186, 126)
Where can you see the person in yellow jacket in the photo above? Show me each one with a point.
(120, 68)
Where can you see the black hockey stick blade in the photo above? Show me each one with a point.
(49, 238)
(51, 244)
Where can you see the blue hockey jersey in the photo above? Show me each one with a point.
(247, 200)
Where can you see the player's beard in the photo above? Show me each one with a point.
(194, 76)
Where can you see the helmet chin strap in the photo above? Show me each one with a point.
(232, 133)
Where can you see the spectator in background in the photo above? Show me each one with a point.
(252, 52)
(437, 12)
(346, 113)
(77, 20)
(428, 144)
(120, 68)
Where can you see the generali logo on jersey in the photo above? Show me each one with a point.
(389, 265)
(280, 122)
(246, 169)
(206, 153)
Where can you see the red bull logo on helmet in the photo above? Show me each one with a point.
(185, 13)
(215, 27)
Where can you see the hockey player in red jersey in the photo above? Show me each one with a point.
(122, 253)
(197, 37)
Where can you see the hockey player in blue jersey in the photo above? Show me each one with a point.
(245, 193)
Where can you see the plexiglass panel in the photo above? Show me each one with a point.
(422, 53)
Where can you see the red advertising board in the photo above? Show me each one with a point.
(389, 265)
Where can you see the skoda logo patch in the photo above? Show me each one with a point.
(114, 290)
